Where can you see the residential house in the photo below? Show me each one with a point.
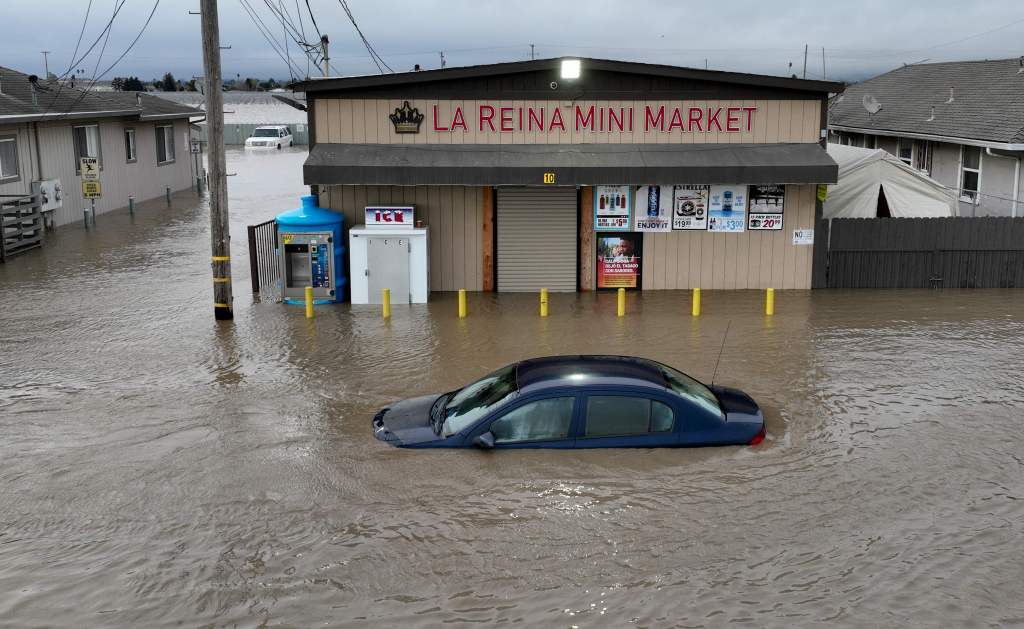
(142, 142)
(960, 122)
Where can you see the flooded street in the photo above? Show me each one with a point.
(161, 469)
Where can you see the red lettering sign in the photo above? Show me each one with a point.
(696, 114)
(437, 128)
(533, 118)
(504, 119)
(489, 117)
(750, 115)
(652, 121)
(588, 121)
(732, 119)
(458, 120)
(713, 118)
(677, 120)
(556, 120)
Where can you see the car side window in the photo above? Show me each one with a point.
(619, 415)
(542, 420)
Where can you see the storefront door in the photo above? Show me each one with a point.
(537, 239)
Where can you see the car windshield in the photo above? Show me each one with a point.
(265, 133)
(692, 390)
(473, 401)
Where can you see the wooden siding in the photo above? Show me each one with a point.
(365, 121)
(143, 178)
(751, 259)
(453, 216)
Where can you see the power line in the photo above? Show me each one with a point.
(80, 33)
(302, 27)
(262, 28)
(313, 19)
(373, 53)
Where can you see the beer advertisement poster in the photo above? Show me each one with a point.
(690, 207)
(727, 209)
(765, 207)
(618, 260)
(652, 209)
(612, 207)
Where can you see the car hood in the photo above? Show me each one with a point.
(406, 422)
(738, 406)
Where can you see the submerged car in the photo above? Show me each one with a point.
(274, 136)
(576, 402)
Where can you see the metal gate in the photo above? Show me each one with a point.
(537, 239)
(264, 267)
(958, 252)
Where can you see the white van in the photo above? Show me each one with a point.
(269, 137)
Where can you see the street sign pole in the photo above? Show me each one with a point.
(220, 235)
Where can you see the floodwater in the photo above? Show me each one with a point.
(160, 469)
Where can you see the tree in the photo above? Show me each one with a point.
(191, 86)
(127, 84)
(117, 84)
(169, 84)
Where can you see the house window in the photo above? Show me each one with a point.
(129, 145)
(8, 158)
(923, 156)
(970, 173)
(906, 151)
(165, 144)
(87, 143)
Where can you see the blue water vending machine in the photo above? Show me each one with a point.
(311, 253)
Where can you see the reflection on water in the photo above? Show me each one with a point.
(159, 468)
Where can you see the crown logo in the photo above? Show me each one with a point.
(406, 119)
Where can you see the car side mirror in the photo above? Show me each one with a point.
(484, 441)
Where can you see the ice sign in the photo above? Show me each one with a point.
(390, 216)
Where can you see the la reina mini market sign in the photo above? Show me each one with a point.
(582, 117)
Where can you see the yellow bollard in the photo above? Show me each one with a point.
(622, 302)
(769, 301)
(309, 302)
(695, 310)
(462, 303)
(543, 302)
(385, 300)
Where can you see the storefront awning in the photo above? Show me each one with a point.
(572, 164)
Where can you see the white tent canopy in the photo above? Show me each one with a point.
(908, 193)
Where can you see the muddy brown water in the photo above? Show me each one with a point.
(158, 469)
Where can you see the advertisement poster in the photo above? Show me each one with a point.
(690, 207)
(652, 210)
(612, 207)
(618, 260)
(765, 207)
(727, 210)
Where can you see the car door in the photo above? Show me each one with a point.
(536, 423)
(616, 419)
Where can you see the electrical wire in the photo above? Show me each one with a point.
(262, 28)
(377, 60)
(302, 26)
(313, 19)
(80, 33)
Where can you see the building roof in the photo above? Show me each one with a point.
(980, 102)
(572, 164)
(516, 67)
(26, 98)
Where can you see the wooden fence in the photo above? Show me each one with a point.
(960, 252)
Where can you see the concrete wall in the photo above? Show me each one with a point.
(144, 178)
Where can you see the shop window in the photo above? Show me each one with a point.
(129, 145)
(9, 158)
(970, 173)
(164, 144)
(87, 143)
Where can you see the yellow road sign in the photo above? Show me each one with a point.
(90, 168)
(92, 189)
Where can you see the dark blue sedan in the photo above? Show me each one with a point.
(576, 402)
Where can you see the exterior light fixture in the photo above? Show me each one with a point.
(570, 68)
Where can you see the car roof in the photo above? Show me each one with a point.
(273, 126)
(583, 370)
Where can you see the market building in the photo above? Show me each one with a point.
(576, 174)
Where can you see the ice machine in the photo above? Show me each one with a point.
(389, 251)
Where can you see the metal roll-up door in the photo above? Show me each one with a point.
(536, 239)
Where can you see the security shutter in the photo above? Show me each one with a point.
(536, 239)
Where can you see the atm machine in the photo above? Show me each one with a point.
(389, 251)
(310, 253)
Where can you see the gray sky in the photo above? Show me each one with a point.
(860, 38)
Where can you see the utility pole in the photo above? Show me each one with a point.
(323, 44)
(805, 61)
(46, 63)
(824, 76)
(220, 233)
(532, 57)
(442, 58)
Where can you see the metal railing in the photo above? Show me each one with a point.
(264, 269)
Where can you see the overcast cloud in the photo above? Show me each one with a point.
(860, 38)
